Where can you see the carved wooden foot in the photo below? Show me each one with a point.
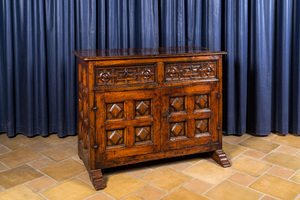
(97, 179)
(220, 157)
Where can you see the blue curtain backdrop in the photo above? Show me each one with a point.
(38, 70)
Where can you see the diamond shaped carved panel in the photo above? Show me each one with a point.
(177, 129)
(201, 126)
(201, 101)
(142, 133)
(177, 104)
(143, 107)
(114, 110)
(115, 137)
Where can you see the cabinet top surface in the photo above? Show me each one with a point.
(156, 52)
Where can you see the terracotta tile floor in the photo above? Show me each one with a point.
(48, 168)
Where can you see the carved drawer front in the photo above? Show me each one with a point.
(189, 71)
(189, 119)
(131, 122)
(124, 75)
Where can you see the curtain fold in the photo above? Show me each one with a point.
(38, 79)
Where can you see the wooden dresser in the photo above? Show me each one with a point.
(146, 104)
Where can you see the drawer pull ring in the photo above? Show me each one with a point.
(166, 115)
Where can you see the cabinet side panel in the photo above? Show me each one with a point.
(220, 103)
(83, 112)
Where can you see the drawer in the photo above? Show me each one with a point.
(125, 74)
(190, 71)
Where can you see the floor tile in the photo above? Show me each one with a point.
(41, 183)
(232, 150)
(287, 150)
(266, 197)
(209, 172)
(20, 193)
(268, 137)
(64, 170)
(250, 166)
(122, 185)
(296, 178)
(284, 160)
(41, 146)
(198, 186)
(19, 175)
(133, 197)
(235, 139)
(150, 193)
(85, 177)
(55, 141)
(2, 167)
(255, 154)
(60, 152)
(77, 159)
(4, 149)
(18, 157)
(282, 172)
(3, 137)
(100, 196)
(289, 140)
(259, 144)
(231, 191)
(73, 189)
(242, 179)
(138, 171)
(19, 142)
(74, 142)
(195, 160)
(41, 162)
(180, 166)
(166, 178)
(283, 189)
(183, 193)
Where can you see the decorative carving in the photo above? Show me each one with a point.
(201, 101)
(114, 110)
(124, 75)
(115, 137)
(190, 71)
(104, 76)
(177, 129)
(172, 71)
(146, 73)
(220, 157)
(167, 115)
(201, 126)
(142, 134)
(177, 104)
(143, 107)
(97, 179)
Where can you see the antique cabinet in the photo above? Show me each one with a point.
(137, 105)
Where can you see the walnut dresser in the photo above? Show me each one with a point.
(146, 104)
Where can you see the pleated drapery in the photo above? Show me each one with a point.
(38, 70)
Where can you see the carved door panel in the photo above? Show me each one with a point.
(128, 123)
(190, 116)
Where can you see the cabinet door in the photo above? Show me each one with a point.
(128, 123)
(189, 116)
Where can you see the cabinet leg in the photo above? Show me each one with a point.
(97, 179)
(220, 157)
